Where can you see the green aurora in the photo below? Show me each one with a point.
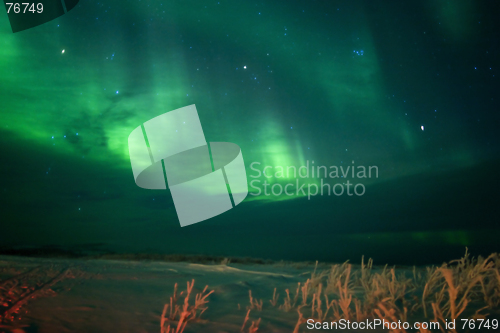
(408, 87)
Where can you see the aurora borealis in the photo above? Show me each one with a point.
(411, 88)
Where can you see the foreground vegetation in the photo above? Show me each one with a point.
(465, 288)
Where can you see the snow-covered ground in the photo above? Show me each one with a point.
(93, 296)
(126, 296)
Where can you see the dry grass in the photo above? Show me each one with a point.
(274, 301)
(464, 288)
(180, 315)
(253, 327)
(254, 303)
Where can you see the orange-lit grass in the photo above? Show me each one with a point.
(180, 316)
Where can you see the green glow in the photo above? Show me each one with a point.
(72, 98)
(448, 237)
(457, 17)
(389, 85)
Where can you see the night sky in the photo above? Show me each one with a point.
(410, 87)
